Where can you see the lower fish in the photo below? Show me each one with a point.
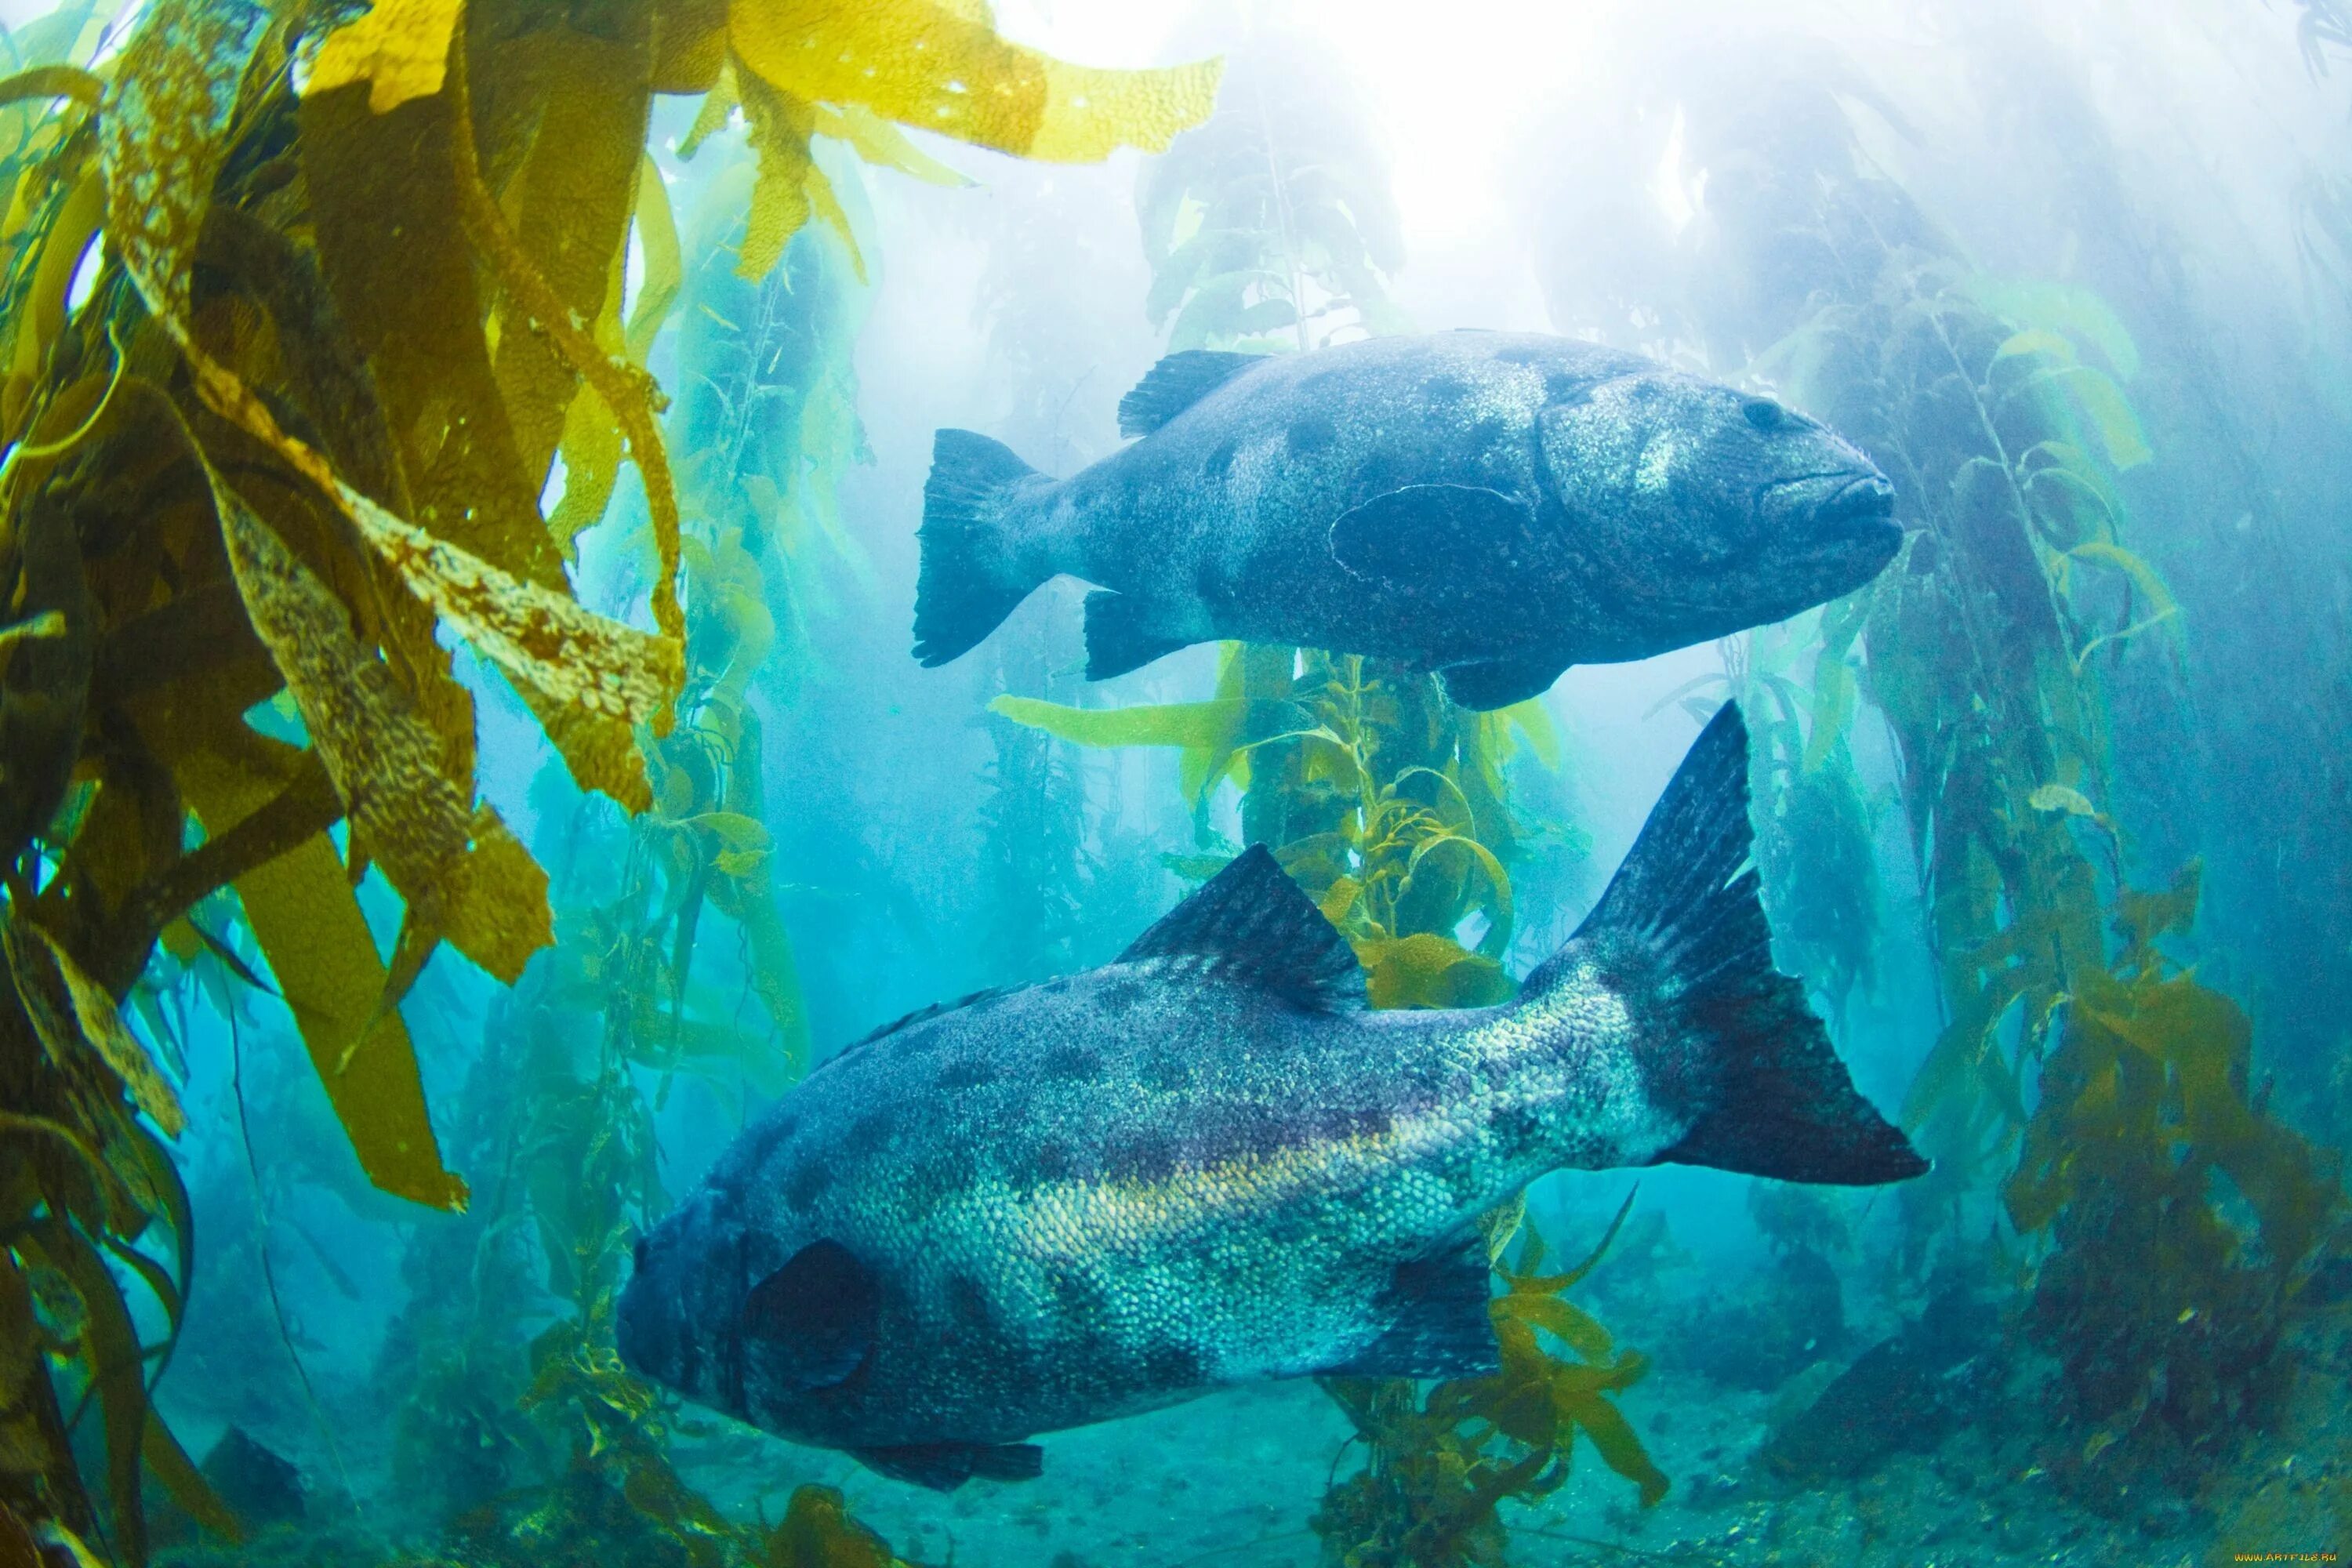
(1207, 1163)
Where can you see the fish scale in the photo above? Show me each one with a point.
(1206, 1163)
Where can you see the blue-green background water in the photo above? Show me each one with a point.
(2164, 193)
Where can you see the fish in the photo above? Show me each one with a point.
(1493, 507)
(1206, 1163)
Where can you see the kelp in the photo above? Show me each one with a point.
(1272, 227)
(1385, 801)
(1034, 825)
(261, 454)
(1989, 644)
(2071, 1060)
(767, 412)
(2145, 1143)
(1440, 1466)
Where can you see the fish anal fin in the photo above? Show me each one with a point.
(1491, 683)
(943, 1467)
(1249, 923)
(1122, 633)
(1179, 381)
(1452, 544)
(809, 1324)
(1438, 1324)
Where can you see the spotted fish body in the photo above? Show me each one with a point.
(1206, 1165)
(1493, 506)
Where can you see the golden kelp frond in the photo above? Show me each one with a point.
(1425, 970)
(800, 69)
(626, 389)
(883, 144)
(790, 187)
(541, 638)
(923, 65)
(818, 1533)
(404, 815)
(1441, 1465)
(102, 1025)
(400, 49)
(306, 920)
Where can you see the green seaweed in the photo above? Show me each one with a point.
(1440, 1465)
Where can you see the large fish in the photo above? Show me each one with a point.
(1206, 1163)
(1494, 506)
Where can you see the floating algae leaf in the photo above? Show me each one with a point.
(102, 1025)
(817, 1532)
(1425, 970)
(937, 67)
(925, 66)
(400, 49)
(805, 67)
(1212, 735)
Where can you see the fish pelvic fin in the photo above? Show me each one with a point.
(1121, 636)
(1725, 1042)
(1437, 1323)
(970, 580)
(943, 1467)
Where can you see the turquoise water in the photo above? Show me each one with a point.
(2049, 824)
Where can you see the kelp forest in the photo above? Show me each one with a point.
(466, 479)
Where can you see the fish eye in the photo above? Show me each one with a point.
(1764, 414)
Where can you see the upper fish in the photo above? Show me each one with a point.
(1205, 1163)
(1492, 506)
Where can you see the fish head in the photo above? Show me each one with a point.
(675, 1322)
(743, 1321)
(1712, 509)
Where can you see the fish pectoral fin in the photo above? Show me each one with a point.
(1454, 545)
(809, 1324)
(1438, 1325)
(1491, 683)
(943, 1467)
(1123, 634)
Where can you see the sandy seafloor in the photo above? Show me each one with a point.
(1229, 1481)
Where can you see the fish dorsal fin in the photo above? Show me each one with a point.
(899, 1025)
(1175, 384)
(1251, 925)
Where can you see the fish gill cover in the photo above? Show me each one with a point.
(393, 395)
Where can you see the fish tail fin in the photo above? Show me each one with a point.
(1724, 1043)
(969, 580)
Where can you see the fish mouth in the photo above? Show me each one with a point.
(1846, 515)
(1863, 507)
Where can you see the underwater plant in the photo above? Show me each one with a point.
(1385, 801)
(253, 448)
(1271, 229)
(1990, 648)
(1441, 1464)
